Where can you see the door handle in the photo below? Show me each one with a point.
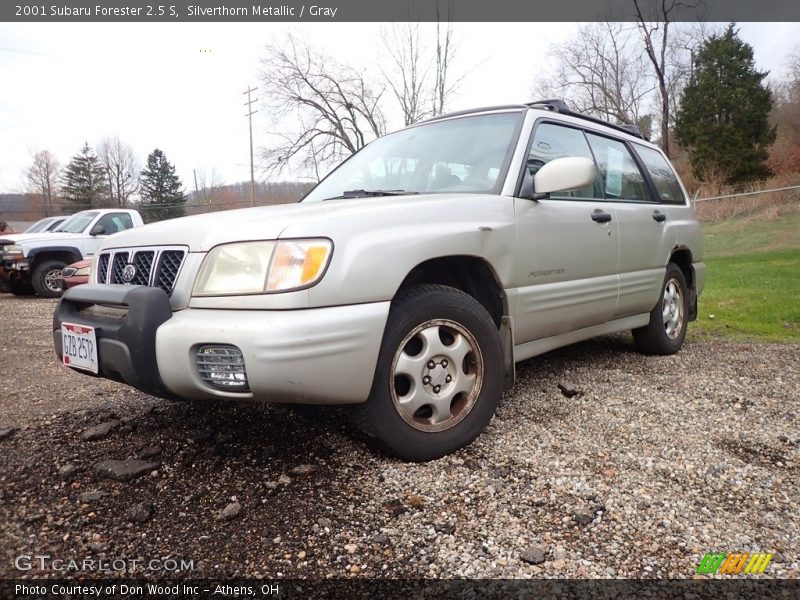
(598, 216)
(659, 217)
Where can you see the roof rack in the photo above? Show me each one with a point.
(559, 106)
(470, 111)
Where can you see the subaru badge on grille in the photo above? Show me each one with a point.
(128, 273)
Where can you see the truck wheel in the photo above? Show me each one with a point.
(439, 375)
(20, 288)
(45, 279)
(667, 328)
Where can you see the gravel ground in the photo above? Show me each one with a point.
(654, 462)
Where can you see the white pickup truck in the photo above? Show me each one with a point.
(32, 262)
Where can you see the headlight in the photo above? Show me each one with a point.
(258, 267)
(73, 272)
(13, 252)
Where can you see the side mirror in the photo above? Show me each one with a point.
(563, 174)
(97, 230)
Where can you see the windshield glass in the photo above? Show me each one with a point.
(38, 226)
(77, 222)
(465, 154)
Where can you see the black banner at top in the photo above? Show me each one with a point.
(397, 10)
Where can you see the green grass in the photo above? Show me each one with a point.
(754, 297)
(755, 233)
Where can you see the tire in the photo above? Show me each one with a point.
(665, 332)
(43, 278)
(21, 288)
(439, 375)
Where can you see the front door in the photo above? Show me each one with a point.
(567, 248)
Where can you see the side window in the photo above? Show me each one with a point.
(115, 222)
(666, 182)
(553, 141)
(621, 176)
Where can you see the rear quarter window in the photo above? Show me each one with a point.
(667, 186)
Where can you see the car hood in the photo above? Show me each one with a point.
(26, 238)
(81, 264)
(202, 232)
(14, 238)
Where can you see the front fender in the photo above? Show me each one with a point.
(371, 260)
(70, 250)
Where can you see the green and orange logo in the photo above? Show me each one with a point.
(734, 563)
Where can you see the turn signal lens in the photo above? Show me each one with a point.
(298, 263)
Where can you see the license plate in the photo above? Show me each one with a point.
(79, 347)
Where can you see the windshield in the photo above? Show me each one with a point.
(38, 226)
(465, 154)
(77, 222)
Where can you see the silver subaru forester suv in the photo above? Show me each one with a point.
(409, 281)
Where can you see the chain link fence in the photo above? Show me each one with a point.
(747, 223)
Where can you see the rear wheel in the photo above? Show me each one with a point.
(46, 278)
(439, 376)
(668, 320)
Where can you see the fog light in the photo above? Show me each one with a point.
(222, 367)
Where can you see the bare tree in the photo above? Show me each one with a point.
(634, 73)
(42, 177)
(409, 72)
(601, 71)
(420, 68)
(785, 152)
(669, 46)
(337, 109)
(207, 185)
(792, 83)
(445, 84)
(122, 169)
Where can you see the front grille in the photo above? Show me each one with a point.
(143, 261)
(102, 268)
(118, 266)
(168, 268)
(154, 266)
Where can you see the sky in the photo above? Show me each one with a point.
(179, 86)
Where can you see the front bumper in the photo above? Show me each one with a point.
(9, 273)
(315, 356)
(125, 334)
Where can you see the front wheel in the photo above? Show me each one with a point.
(46, 278)
(665, 332)
(439, 376)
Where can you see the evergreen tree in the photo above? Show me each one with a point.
(84, 183)
(161, 190)
(723, 117)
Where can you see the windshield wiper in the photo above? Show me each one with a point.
(371, 194)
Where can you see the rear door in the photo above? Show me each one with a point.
(645, 236)
(567, 248)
